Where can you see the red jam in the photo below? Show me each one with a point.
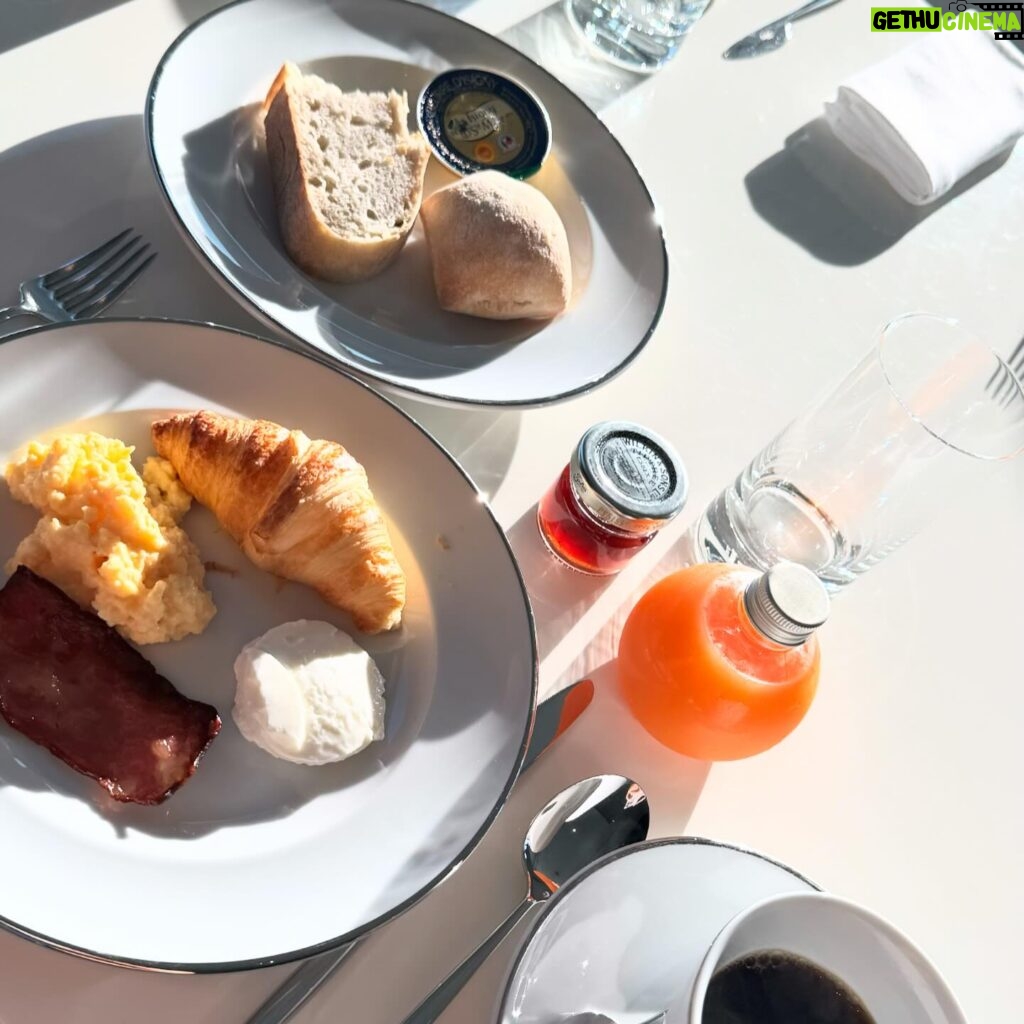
(580, 540)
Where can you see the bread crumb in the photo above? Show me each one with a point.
(443, 543)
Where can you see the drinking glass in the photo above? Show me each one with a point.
(921, 417)
(640, 35)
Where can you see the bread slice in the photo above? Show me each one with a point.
(347, 174)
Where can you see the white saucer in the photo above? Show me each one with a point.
(627, 937)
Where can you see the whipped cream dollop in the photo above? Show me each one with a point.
(308, 693)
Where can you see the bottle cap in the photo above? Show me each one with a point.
(476, 120)
(627, 477)
(787, 603)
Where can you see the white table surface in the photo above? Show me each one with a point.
(902, 787)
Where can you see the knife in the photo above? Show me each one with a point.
(554, 716)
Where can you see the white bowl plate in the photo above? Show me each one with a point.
(202, 121)
(627, 937)
(256, 860)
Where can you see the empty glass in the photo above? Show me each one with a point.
(873, 460)
(640, 35)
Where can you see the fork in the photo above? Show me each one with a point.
(1016, 360)
(85, 286)
(1003, 385)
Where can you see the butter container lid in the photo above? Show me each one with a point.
(477, 120)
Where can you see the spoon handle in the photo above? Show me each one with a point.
(434, 1005)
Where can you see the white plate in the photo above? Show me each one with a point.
(627, 936)
(205, 145)
(255, 860)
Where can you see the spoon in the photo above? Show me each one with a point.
(582, 823)
(774, 34)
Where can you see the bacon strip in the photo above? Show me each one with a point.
(71, 684)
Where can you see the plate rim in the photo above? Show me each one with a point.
(356, 934)
(256, 309)
(609, 858)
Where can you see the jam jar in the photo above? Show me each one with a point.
(623, 483)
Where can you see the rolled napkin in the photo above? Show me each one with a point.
(932, 112)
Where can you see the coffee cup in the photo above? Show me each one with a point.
(892, 978)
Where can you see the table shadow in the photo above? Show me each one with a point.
(96, 178)
(24, 21)
(831, 203)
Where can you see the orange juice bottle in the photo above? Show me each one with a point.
(719, 661)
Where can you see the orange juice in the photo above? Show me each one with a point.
(719, 662)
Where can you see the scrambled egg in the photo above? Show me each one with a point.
(111, 539)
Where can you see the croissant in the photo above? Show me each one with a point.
(299, 508)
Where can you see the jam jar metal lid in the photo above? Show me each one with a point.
(477, 120)
(628, 477)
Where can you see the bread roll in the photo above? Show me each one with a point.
(498, 249)
(347, 174)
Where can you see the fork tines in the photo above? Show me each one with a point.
(62, 273)
(88, 283)
(1016, 360)
(1005, 384)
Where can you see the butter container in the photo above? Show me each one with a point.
(477, 120)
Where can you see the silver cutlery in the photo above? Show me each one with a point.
(85, 286)
(1016, 360)
(775, 34)
(581, 824)
(1005, 381)
(554, 716)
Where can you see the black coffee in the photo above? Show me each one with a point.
(774, 987)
